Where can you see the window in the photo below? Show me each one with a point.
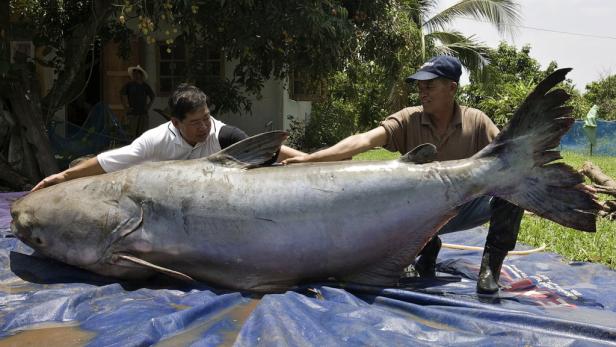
(172, 66)
(303, 88)
(210, 67)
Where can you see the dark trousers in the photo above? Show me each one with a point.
(137, 124)
(504, 218)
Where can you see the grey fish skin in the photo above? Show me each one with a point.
(219, 221)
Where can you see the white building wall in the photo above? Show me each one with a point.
(299, 110)
(265, 114)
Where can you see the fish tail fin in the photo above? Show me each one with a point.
(548, 189)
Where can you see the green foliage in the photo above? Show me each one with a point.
(439, 38)
(505, 82)
(270, 39)
(359, 95)
(578, 101)
(512, 74)
(499, 107)
(372, 85)
(603, 94)
(48, 20)
(47, 23)
(297, 132)
(267, 39)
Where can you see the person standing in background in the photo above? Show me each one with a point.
(137, 98)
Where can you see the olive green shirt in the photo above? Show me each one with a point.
(469, 131)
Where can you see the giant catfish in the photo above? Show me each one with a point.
(226, 221)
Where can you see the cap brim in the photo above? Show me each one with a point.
(421, 76)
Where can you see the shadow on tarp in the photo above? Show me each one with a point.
(545, 301)
(575, 139)
(38, 269)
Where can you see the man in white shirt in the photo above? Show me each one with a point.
(192, 133)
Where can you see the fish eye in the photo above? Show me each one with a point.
(38, 241)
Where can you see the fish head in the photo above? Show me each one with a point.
(62, 224)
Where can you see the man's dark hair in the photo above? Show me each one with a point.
(186, 98)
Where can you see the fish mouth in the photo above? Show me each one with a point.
(19, 230)
(25, 235)
(15, 229)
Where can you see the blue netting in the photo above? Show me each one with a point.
(100, 131)
(576, 141)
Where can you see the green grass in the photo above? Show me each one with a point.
(599, 247)
(377, 154)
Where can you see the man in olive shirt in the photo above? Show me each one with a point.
(458, 132)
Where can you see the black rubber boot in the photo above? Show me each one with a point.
(426, 264)
(502, 236)
(489, 272)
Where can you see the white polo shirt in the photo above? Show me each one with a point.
(159, 144)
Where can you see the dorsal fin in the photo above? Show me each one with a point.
(421, 154)
(250, 152)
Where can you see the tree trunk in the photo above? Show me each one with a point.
(25, 150)
(5, 52)
(11, 178)
(25, 103)
(78, 44)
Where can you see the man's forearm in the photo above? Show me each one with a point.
(90, 167)
(344, 149)
(288, 152)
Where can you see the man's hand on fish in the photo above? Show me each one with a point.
(297, 159)
(50, 181)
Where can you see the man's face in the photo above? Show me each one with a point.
(137, 76)
(436, 93)
(196, 126)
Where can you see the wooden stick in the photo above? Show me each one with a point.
(475, 248)
(597, 176)
(605, 189)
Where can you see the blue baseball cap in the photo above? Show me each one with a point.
(439, 66)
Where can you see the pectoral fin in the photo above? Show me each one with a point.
(141, 262)
(129, 215)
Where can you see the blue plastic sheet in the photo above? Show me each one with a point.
(575, 139)
(545, 302)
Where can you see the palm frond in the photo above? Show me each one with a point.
(503, 14)
(472, 53)
(423, 8)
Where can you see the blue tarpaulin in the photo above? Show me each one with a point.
(545, 302)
